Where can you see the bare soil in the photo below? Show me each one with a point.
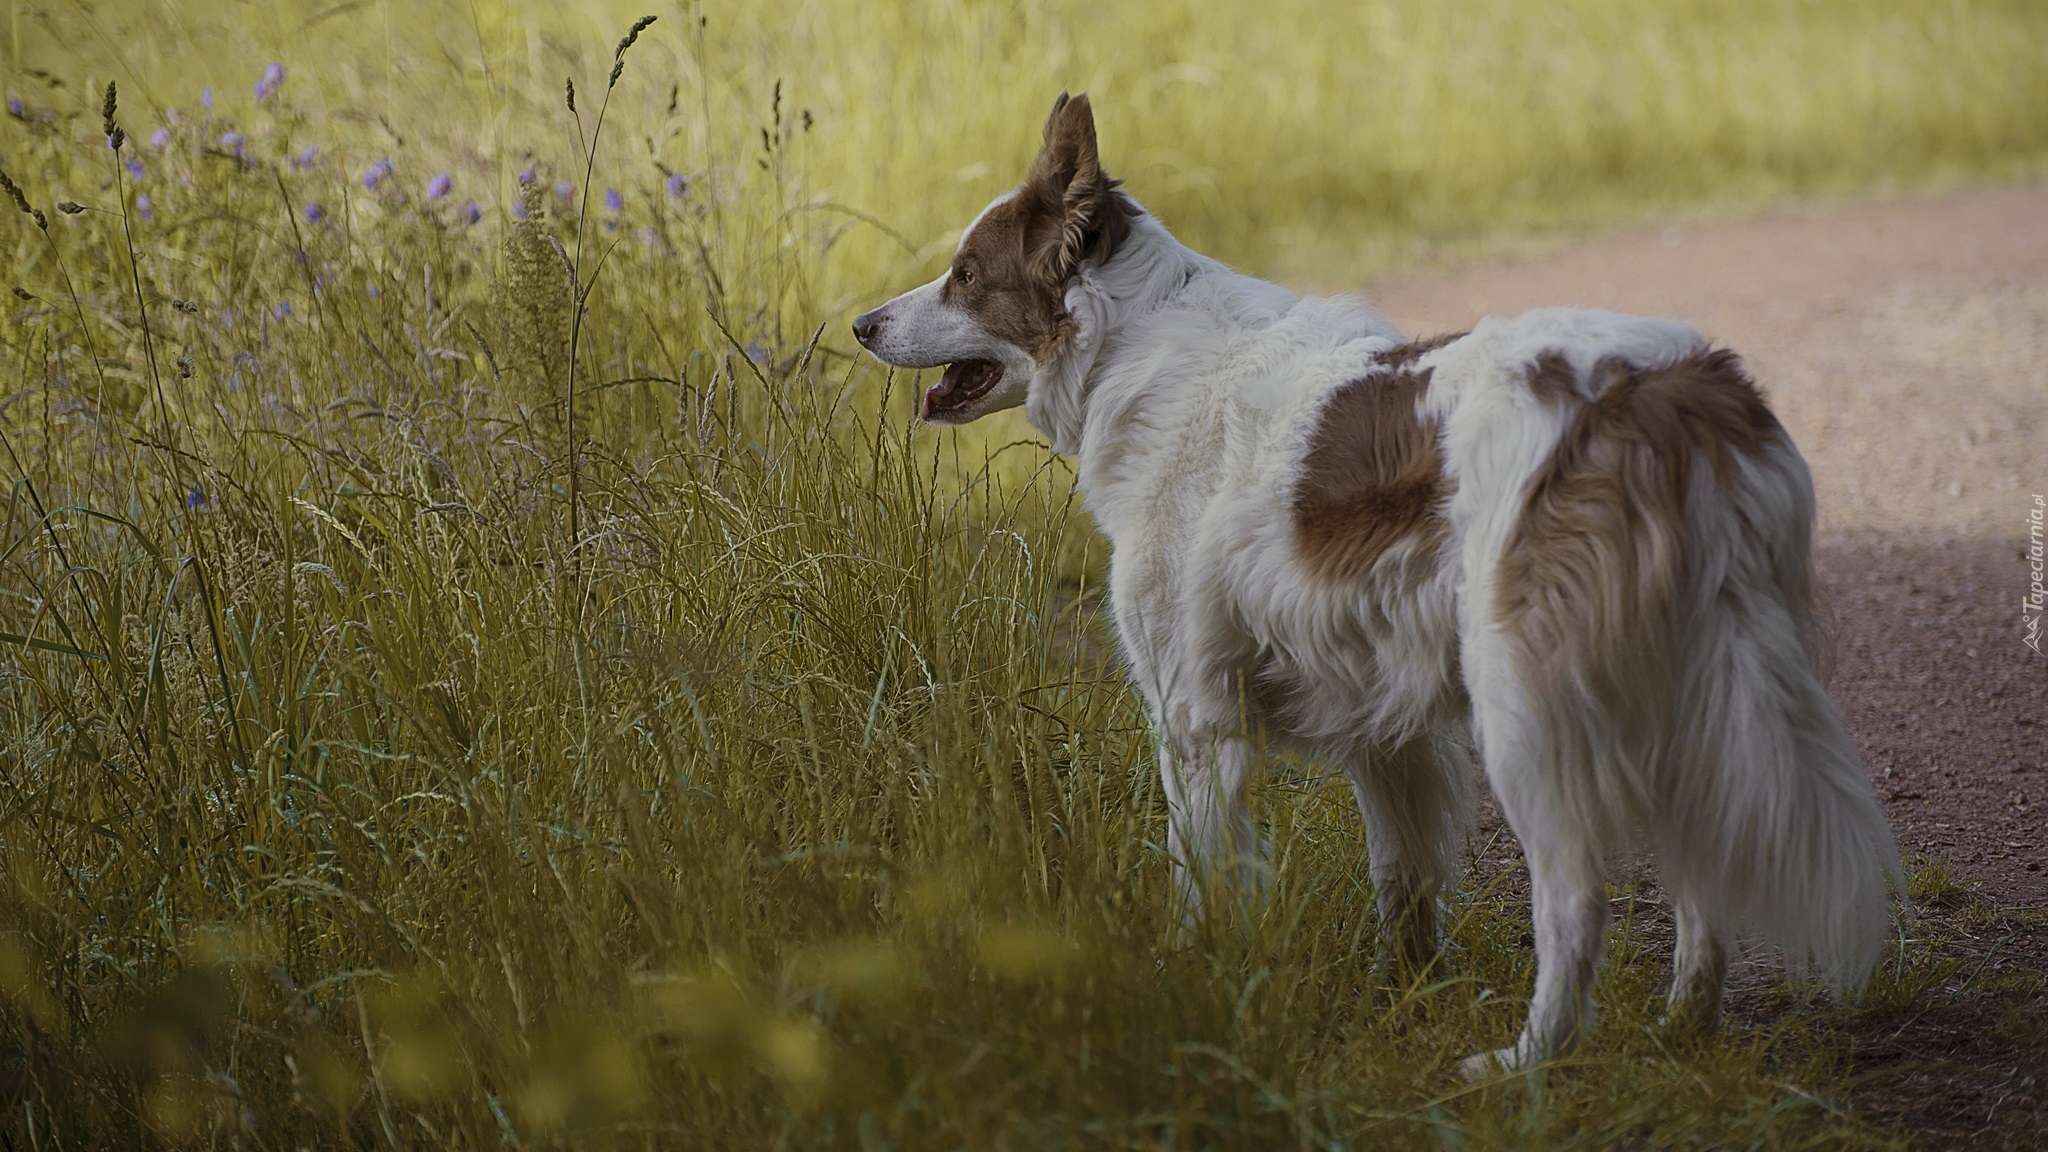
(1904, 343)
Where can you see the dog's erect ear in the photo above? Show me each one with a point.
(1077, 213)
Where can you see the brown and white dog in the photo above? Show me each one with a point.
(1575, 542)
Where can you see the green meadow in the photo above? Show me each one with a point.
(484, 663)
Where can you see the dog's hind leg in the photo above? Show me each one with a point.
(1415, 801)
(1530, 771)
(1699, 966)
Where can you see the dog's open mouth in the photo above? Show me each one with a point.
(964, 383)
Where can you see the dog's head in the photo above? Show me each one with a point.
(998, 315)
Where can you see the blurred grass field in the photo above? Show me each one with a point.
(437, 716)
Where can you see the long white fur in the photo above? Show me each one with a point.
(1188, 397)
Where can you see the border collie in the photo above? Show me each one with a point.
(1574, 543)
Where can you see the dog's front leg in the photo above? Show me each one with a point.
(1209, 827)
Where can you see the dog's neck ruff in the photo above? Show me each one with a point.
(1109, 303)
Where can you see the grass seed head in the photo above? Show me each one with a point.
(14, 193)
(112, 104)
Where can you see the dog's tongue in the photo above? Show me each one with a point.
(936, 396)
(959, 383)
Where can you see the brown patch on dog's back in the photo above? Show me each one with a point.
(1552, 380)
(1601, 548)
(1404, 356)
(1373, 475)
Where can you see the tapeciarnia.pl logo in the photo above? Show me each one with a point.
(2037, 560)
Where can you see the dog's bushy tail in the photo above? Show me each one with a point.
(1776, 830)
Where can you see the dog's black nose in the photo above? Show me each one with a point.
(865, 328)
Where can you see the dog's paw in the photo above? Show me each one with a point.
(1481, 1065)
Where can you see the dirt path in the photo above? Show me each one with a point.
(1905, 344)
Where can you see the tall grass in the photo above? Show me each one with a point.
(425, 728)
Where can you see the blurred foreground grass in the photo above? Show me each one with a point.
(405, 744)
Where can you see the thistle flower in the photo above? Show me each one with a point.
(470, 213)
(160, 139)
(315, 213)
(613, 200)
(273, 78)
(678, 185)
(378, 173)
(519, 211)
(526, 175)
(143, 206)
(439, 187)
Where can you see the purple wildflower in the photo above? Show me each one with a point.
(376, 291)
(678, 185)
(160, 139)
(206, 97)
(613, 200)
(438, 187)
(195, 500)
(565, 190)
(519, 209)
(14, 106)
(315, 213)
(143, 206)
(304, 160)
(756, 352)
(273, 77)
(283, 309)
(134, 167)
(526, 175)
(233, 142)
(470, 213)
(378, 173)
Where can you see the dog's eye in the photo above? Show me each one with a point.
(963, 276)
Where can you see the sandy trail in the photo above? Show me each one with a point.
(1905, 345)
